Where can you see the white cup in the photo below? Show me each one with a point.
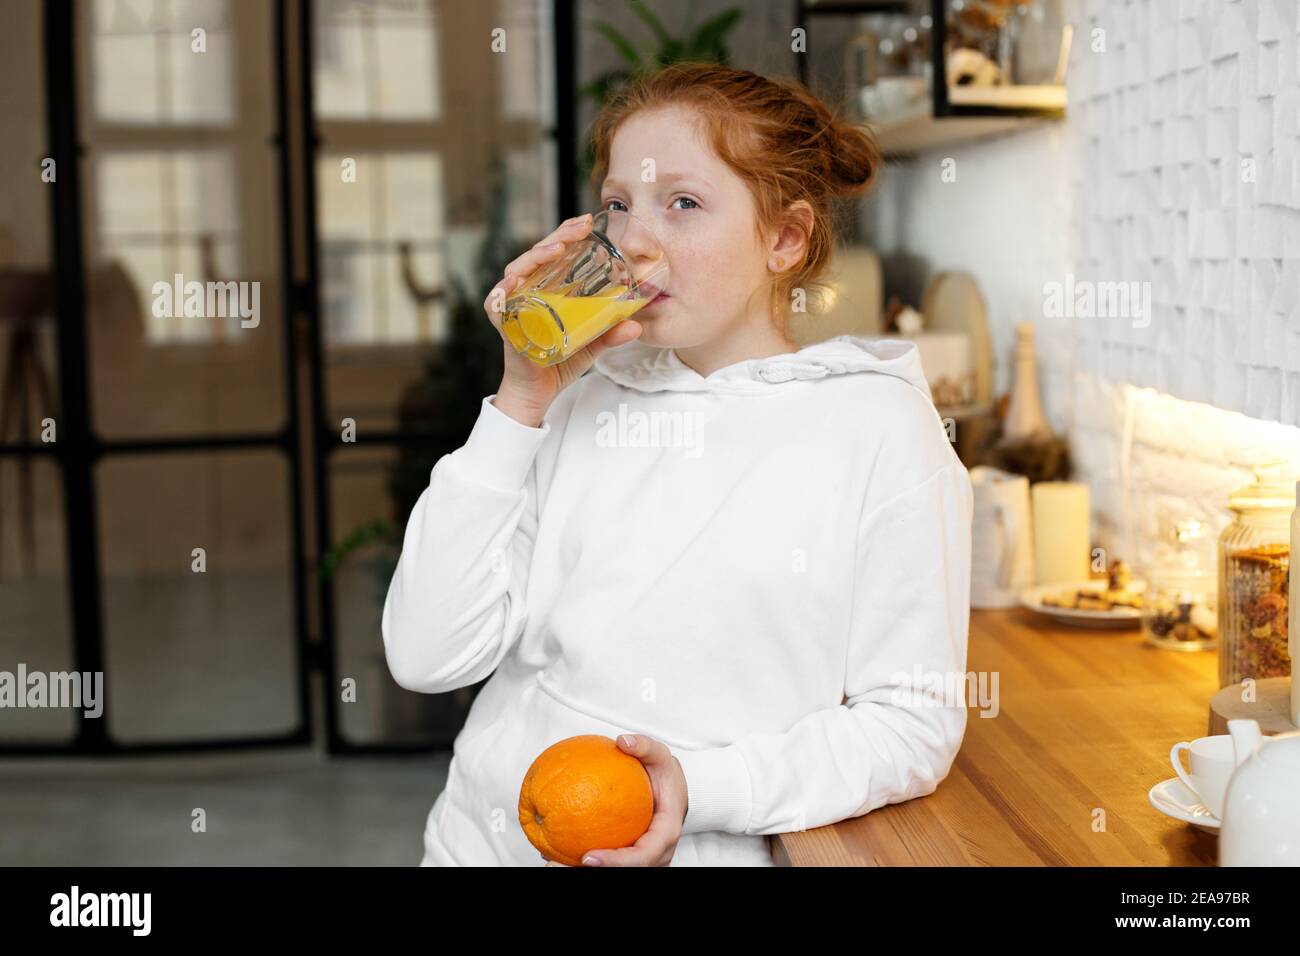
(1212, 767)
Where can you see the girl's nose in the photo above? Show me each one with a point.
(640, 247)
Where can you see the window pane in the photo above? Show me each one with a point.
(407, 75)
(526, 68)
(347, 277)
(164, 214)
(145, 66)
(377, 61)
(340, 60)
(191, 653)
(395, 203)
(127, 88)
(128, 191)
(35, 619)
(409, 319)
(345, 204)
(413, 184)
(200, 86)
(206, 196)
(530, 190)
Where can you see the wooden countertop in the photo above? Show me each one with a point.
(1085, 722)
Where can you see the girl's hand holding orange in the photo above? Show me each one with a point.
(636, 822)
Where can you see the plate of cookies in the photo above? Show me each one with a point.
(1113, 601)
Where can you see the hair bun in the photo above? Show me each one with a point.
(854, 158)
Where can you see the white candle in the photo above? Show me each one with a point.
(1062, 544)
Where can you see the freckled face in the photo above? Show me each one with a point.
(702, 214)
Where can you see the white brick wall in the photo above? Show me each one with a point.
(1185, 129)
(1150, 459)
(1144, 181)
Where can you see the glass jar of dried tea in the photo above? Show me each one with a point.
(1254, 562)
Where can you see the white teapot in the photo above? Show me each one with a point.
(1261, 811)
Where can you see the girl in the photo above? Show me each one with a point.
(759, 608)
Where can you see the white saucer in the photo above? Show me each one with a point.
(1172, 798)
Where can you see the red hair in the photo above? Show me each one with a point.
(785, 143)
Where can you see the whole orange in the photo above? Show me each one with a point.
(581, 794)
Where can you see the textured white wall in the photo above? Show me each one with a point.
(1147, 180)
(1150, 459)
(1188, 177)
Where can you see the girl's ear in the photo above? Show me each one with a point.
(790, 241)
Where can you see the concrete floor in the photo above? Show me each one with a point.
(283, 808)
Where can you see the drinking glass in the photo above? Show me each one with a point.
(599, 280)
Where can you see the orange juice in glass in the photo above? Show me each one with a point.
(598, 281)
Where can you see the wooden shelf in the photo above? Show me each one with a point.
(975, 113)
(924, 133)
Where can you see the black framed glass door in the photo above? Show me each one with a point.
(251, 308)
(176, 453)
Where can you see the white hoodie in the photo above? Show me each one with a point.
(766, 568)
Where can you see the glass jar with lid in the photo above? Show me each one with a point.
(1180, 609)
(1254, 563)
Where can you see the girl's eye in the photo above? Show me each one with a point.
(688, 199)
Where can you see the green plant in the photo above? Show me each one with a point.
(705, 43)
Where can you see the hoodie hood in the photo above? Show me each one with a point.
(648, 368)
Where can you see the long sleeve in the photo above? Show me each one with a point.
(893, 737)
(455, 604)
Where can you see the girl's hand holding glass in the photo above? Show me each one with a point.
(564, 301)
